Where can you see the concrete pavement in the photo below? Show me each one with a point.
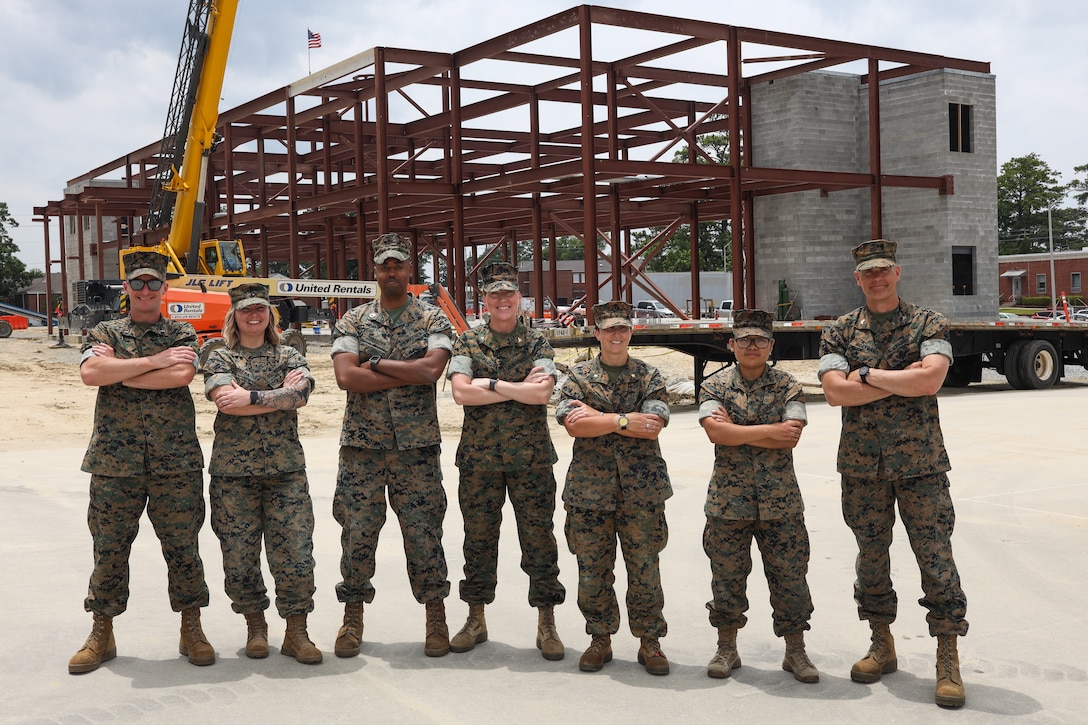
(1021, 543)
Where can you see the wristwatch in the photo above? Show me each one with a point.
(622, 420)
(492, 383)
(863, 373)
(252, 397)
(374, 362)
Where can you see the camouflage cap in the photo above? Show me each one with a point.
(753, 323)
(391, 245)
(877, 253)
(616, 313)
(499, 277)
(138, 264)
(247, 295)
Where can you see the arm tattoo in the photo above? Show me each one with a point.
(285, 398)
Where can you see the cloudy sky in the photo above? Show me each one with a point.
(84, 81)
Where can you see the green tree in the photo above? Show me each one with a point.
(13, 273)
(715, 238)
(1026, 188)
(566, 249)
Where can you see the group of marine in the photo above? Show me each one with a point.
(882, 363)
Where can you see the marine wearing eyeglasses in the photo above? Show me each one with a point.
(754, 415)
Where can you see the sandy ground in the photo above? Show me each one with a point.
(44, 397)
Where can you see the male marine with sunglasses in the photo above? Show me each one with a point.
(143, 454)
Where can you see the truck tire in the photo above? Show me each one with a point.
(1012, 364)
(294, 338)
(5, 328)
(1039, 365)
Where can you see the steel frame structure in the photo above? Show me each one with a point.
(525, 137)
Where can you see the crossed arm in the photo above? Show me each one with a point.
(721, 429)
(918, 379)
(535, 389)
(357, 376)
(233, 399)
(174, 367)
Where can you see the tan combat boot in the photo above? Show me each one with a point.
(949, 683)
(256, 636)
(296, 642)
(547, 638)
(99, 647)
(473, 633)
(437, 643)
(651, 657)
(879, 660)
(597, 654)
(193, 642)
(350, 636)
(797, 660)
(726, 659)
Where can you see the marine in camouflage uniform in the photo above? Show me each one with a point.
(259, 490)
(143, 454)
(617, 483)
(503, 374)
(388, 354)
(754, 414)
(884, 363)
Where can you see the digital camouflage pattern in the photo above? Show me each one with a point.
(138, 432)
(175, 506)
(753, 494)
(413, 479)
(784, 548)
(275, 509)
(925, 507)
(255, 445)
(642, 534)
(613, 470)
(892, 452)
(404, 417)
(616, 489)
(505, 448)
(896, 434)
(482, 494)
(506, 436)
(751, 483)
(259, 491)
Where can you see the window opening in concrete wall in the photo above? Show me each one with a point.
(1040, 284)
(963, 270)
(1074, 282)
(959, 128)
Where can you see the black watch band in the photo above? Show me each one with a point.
(374, 362)
(863, 374)
(253, 397)
(491, 385)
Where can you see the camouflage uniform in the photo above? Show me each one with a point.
(506, 446)
(616, 487)
(892, 451)
(391, 439)
(753, 493)
(259, 487)
(144, 453)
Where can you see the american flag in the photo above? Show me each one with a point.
(313, 39)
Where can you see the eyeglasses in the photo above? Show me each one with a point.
(760, 343)
(152, 284)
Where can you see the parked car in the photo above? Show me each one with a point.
(1049, 315)
(652, 309)
(1010, 316)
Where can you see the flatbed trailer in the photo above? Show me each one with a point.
(1031, 354)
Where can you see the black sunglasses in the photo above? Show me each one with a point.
(138, 284)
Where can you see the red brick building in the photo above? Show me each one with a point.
(1028, 275)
